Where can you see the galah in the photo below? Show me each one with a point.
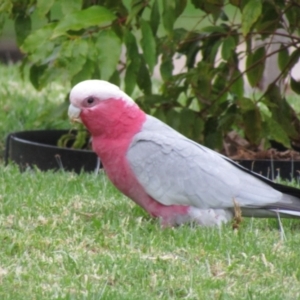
(167, 174)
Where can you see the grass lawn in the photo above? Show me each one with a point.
(67, 236)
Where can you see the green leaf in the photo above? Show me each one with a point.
(6, 6)
(115, 78)
(160, 114)
(180, 6)
(265, 109)
(214, 7)
(44, 6)
(212, 135)
(255, 65)
(74, 48)
(214, 49)
(276, 132)
(132, 61)
(283, 58)
(81, 47)
(187, 120)
(148, 45)
(84, 73)
(201, 80)
(252, 125)
(132, 51)
(131, 75)
(295, 85)
(228, 47)
(154, 100)
(246, 104)
(210, 48)
(73, 55)
(172, 117)
(38, 38)
(22, 28)
(250, 15)
(293, 16)
(52, 73)
(150, 103)
(221, 78)
(119, 7)
(92, 16)
(137, 8)
(35, 74)
(198, 127)
(281, 110)
(154, 17)
(68, 6)
(143, 79)
(223, 16)
(237, 87)
(168, 16)
(228, 118)
(270, 19)
(166, 68)
(38, 45)
(109, 49)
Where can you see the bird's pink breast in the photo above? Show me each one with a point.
(118, 125)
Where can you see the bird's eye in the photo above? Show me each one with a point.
(90, 100)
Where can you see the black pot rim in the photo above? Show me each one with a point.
(15, 136)
(38, 147)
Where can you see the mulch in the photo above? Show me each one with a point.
(237, 148)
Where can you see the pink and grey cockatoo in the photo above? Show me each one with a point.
(164, 172)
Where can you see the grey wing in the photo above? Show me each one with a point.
(175, 170)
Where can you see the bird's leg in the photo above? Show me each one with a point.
(237, 219)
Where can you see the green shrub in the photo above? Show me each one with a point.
(82, 39)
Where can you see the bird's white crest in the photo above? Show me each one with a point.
(101, 89)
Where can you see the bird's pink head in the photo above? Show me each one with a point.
(103, 108)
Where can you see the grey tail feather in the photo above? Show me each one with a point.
(288, 213)
(292, 191)
(288, 207)
(270, 213)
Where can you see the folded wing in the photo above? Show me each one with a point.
(176, 170)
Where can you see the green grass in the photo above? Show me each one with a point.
(68, 236)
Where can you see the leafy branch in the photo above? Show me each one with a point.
(126, 43)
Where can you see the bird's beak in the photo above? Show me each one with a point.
(74, 113)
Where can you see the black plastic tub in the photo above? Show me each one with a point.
(38, 148)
